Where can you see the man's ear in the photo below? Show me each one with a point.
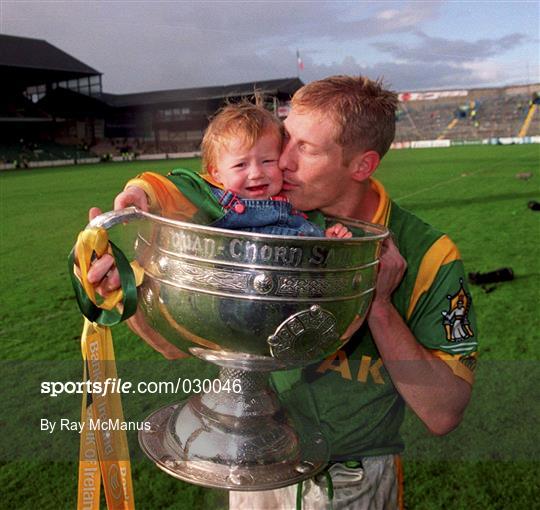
(364, 164)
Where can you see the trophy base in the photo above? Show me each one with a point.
(232, 467)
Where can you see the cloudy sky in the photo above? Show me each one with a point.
(416, 45)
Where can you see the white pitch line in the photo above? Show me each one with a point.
(438, 185)
(453, 179)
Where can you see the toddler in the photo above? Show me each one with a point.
(240, 153)
(240, 182)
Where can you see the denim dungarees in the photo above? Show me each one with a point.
(273, 216)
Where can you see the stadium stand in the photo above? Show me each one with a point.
(28, 154)
(53, 109)
(174, 121)
(467, 115)
(34, 71)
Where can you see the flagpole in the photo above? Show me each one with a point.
(299, 64)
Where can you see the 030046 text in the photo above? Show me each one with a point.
(117, 385)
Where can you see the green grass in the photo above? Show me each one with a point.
(471, 193)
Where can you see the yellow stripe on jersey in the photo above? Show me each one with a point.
(443, 251)
(383, 210)
(165, 198)
(455, 362)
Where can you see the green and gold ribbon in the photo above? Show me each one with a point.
(95, 242)
(104, 454)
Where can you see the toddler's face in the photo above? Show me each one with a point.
(251, 172)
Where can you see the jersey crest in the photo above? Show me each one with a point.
(455, 320)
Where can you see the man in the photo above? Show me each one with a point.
(337, 132)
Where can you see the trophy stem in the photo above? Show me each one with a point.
(239, 438)
(246, 381)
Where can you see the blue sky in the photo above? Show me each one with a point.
(417, 45)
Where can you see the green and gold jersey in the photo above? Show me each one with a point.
(350, 394)
(186, 195)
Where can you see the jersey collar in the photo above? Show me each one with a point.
(210, 180)
(383, 210)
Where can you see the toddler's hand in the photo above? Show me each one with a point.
(132, 195)
(338, 230)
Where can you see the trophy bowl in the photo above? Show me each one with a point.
(251, 304)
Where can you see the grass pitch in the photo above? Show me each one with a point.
(490, 461)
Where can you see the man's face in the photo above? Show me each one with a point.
(314, 176)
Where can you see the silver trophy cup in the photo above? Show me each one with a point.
(251, 304)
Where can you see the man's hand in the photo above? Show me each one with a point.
(103, 274)
(392, 267)
(426, 383)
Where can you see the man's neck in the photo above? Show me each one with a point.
(361, 203)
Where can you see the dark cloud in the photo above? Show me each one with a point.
(142, 46)
(438, 49)
(401, 76)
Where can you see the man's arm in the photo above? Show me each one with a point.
(104, 275)
(426, 383)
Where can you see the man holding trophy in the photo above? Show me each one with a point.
(338, 130)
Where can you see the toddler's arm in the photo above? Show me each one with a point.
(339, 231)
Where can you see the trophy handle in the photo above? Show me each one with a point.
(94, 241)
(111, 218)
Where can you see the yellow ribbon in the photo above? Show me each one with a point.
(96, 241)
(101, 444)
(104, 453)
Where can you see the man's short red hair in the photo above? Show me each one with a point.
(363, 112)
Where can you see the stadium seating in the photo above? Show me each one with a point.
(460, 116)
(474, 117)
(24, 153)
